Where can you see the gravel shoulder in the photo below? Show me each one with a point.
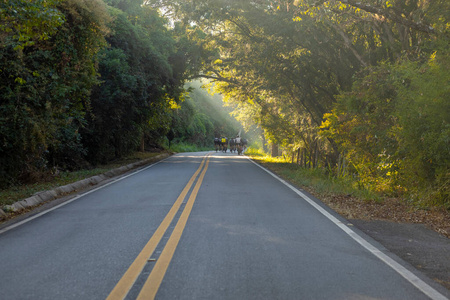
(423, 248)
(418, 236)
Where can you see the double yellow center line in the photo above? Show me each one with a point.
(155, 278)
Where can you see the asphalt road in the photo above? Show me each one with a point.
(200, 226)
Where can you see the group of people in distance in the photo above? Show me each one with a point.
(237, 144)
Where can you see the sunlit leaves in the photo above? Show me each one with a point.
(287, 62)
(29, 21)
(394, 128)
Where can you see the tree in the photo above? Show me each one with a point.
(261, 51)
(293, 62)
(132, 103)
(47, 65)
(394, 127)
(24, 22)
(201, 118)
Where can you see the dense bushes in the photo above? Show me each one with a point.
(395, 128)
(47, 65)
(131, 105)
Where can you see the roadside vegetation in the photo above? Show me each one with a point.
(19, 192)
(318, 180)
(182, 147)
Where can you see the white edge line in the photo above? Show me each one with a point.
(408, 275)
(76, 198)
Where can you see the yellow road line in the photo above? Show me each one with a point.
(155, 278)
(124, 285)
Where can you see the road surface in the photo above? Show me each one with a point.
(199, 226)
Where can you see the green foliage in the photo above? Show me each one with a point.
(131, 107)
(317, 179)
(68, 95)
(362, 123)
(201, 118)
(180, 147)
(423, 130)
(284, 65)
(47, 72)
(27, 22)
(394, 128)
(254, 151)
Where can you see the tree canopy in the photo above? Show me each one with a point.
(83, 82)
(358, 88)
(337, 80)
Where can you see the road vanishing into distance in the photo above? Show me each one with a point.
(201, 225)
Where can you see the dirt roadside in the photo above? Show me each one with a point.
(426, 250)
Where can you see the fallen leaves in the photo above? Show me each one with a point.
(391, 209)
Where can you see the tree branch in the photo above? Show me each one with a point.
(392, 16)
(215, 78)
(349, 45)
(396, 16)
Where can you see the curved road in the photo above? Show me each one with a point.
(199, 226)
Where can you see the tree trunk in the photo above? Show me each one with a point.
(304, 158)
(264, 143)
(339, 166)
(310, 158)
(274, 152)
(316, 155)
(142, 144)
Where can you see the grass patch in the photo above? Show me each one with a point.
(254, 152)
(19, 192)
(316, 181)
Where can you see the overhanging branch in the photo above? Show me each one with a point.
(392, 16)
(387, 14)
(215, 78)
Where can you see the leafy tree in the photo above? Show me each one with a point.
(293, 62)
(394, 127)
(423, 128)
(142, 76)
(363, 122)
(201, 118)
(47, 65)
(26, 22)
(262, 55)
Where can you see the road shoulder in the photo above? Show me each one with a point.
(423, 248)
